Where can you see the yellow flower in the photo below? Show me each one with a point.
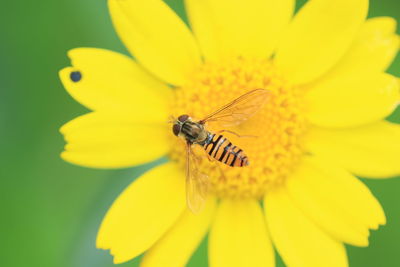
(323, 124)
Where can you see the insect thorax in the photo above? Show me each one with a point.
(194, 132)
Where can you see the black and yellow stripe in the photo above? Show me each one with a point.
(221, 149)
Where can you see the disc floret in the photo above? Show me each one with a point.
(278, 127)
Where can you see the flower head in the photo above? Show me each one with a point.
(323, 123)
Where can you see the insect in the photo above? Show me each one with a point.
(215, 145)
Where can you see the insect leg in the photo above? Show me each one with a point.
(209, 157)
(171, 119)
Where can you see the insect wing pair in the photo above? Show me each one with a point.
(233, 113)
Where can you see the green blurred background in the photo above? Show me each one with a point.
(51, 210)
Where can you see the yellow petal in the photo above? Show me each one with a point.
(113, 140)
(179, 243)
(368, 151)
(227, 28)
(157, 37)
(350, 100)
(336, 201)
(114, 82)
(298, 240)
(143, 213)
(239, 236)
(318, 37)
(373, 50)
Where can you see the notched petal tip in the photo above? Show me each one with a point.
(75, 52)
(119, 258)
(64, 72)
(64, 129)
(65, 155)
(101, 242)
(71, 52)
(62, 156)
(107, 245)
(116, 260)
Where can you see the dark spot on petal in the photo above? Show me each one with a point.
(75, 76)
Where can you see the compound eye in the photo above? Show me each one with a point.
(176, 128)
(183, 118)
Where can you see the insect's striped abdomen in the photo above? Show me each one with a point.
(221, 149)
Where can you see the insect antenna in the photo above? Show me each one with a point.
(172, 119)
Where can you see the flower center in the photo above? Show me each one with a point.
(278, 127)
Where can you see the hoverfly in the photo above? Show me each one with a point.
(215, 145)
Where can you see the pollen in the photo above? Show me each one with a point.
(272, 138)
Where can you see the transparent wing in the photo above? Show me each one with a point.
(240, 109)
(196, 183)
